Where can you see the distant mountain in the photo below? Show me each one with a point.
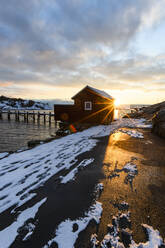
(7, 103)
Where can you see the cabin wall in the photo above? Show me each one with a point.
(102, 109)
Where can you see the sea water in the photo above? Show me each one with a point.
(15, 135)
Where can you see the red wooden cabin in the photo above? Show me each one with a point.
(90, 106)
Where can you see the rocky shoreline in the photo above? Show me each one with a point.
(156, 113)
(8, 103)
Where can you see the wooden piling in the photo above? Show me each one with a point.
(50, 118)
(38, 119)
(15, 115)
(33, 116)
(18, 115)
(27, 116)
(8, 115)
(44, 118)
(24, 114)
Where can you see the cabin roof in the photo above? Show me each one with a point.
(96, 91)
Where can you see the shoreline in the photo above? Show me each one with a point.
(77, 193)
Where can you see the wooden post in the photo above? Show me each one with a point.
(33, 116)
(24, 114)
(38, 117)
(49, 118)
(55, 121)
(15, 115)
(44, 118)
(8, 115)
(27, 116)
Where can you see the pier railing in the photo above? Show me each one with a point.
(26, 115)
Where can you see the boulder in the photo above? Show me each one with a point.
(133, 115)
(152, 109)
(33, 143)
(158, 123)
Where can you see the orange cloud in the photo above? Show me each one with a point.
(5, 84)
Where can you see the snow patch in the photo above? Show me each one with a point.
(154, 239)
(4, 154)
(130, 167)
(119, 235)
(100, 186)
(101, 92)
(65, 237)
(20, 104)
(8, 235)
(71, 175)
(94, 240)
(132, 133)
(120, 123)
(30, 227)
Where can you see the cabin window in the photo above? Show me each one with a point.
(88, 105)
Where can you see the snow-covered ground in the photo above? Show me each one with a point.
(22, 172)
(132, 133)
(3, 154)
(66, 237)
(10, 104)
(112, 238)
(154, 239)
(130, 167)
(7, 235)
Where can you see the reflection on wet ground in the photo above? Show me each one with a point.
(132, 178)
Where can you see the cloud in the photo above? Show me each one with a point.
(72, 42)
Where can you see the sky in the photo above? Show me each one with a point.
(51, 49)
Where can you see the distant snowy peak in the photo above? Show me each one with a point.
(7, 103)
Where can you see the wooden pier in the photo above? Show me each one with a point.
(27, 115)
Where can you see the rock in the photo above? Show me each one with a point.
(62, 132)
(124, 221)
(154, 108)
(7, 103)
(63, 125)
(94, 241)
(110, 228)
(33, 143)
(133, 115)
(126, 237)
(75, 227)
(158, 123)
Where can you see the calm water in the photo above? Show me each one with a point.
(15, 135)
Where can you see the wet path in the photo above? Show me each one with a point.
(143, 188)
(146, 195)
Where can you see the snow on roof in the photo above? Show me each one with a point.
(98, 92)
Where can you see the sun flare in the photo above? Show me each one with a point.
(117, 102)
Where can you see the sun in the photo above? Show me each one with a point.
(117, 102)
